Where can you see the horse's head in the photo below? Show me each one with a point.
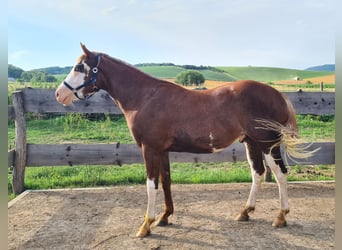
(80, 83)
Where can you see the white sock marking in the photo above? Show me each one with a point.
(281, 179)
(151, 194)
(256, 184)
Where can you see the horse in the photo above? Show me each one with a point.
(165, 117)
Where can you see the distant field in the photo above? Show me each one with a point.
(286, 85)
(268, 74)
(264, 74)
(316, 80)
(171, 72)
(280, 78)
(162, 71)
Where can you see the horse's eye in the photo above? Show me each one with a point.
(79, 68)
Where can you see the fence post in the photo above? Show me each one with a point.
(18, 176)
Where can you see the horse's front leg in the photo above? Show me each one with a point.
(152, 161)
(165, 178)
(145, 228)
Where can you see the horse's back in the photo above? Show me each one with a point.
(260, 100)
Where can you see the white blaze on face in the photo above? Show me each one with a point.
(74, 79)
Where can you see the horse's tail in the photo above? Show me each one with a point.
(295, 146)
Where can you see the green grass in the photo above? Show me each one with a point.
(317, 128)
(308, 87)
(91, 176)
(83, 176)
(200, 173)
(216, 76)
(73, 127)
(162, 71)
(181, 173)
(77, 128)
(173, 71)
(268, 74)
(265, 74)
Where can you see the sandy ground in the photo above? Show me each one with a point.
(108, 218)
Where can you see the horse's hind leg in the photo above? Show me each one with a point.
(165, 179)
(278, 168)
(254, 157)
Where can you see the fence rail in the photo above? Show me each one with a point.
(119, 154)
(42, 101)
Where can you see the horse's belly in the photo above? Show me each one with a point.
(201, 144)
(190, 149)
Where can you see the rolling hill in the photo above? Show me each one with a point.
(56, 70)
(224, 73)
(221, 73)
(171, 71)
(269, 74)
(325, 67)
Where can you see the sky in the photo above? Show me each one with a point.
(284, 33)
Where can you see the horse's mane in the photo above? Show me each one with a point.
(133, 68)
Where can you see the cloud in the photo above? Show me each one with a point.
(110, 10)
(18, 55)
(195, 32)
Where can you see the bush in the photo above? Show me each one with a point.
(190, 78)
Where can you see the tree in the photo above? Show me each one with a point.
(189, 78)
(26, 76)
(14, 71)
(34, 76)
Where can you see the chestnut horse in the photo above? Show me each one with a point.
(164, 117)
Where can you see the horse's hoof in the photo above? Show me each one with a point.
(161, 223)
(143, 233)
(242, 217)
(280, 220)
(278, 224)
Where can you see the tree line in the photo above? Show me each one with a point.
(29, 76)
(185, 66)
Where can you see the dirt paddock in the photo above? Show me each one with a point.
(108, 218)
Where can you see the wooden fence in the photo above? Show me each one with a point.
(42, 101)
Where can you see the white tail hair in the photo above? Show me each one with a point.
(295, 147)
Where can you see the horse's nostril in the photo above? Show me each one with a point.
(57, 94)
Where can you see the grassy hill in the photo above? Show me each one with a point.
(325, 67)
(166, 71)
(224, 73)
(162, 71)
(268, 74)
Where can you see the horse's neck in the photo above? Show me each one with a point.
(129, 87)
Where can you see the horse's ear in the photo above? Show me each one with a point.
(85, 50)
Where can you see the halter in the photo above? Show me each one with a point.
(92, 81)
